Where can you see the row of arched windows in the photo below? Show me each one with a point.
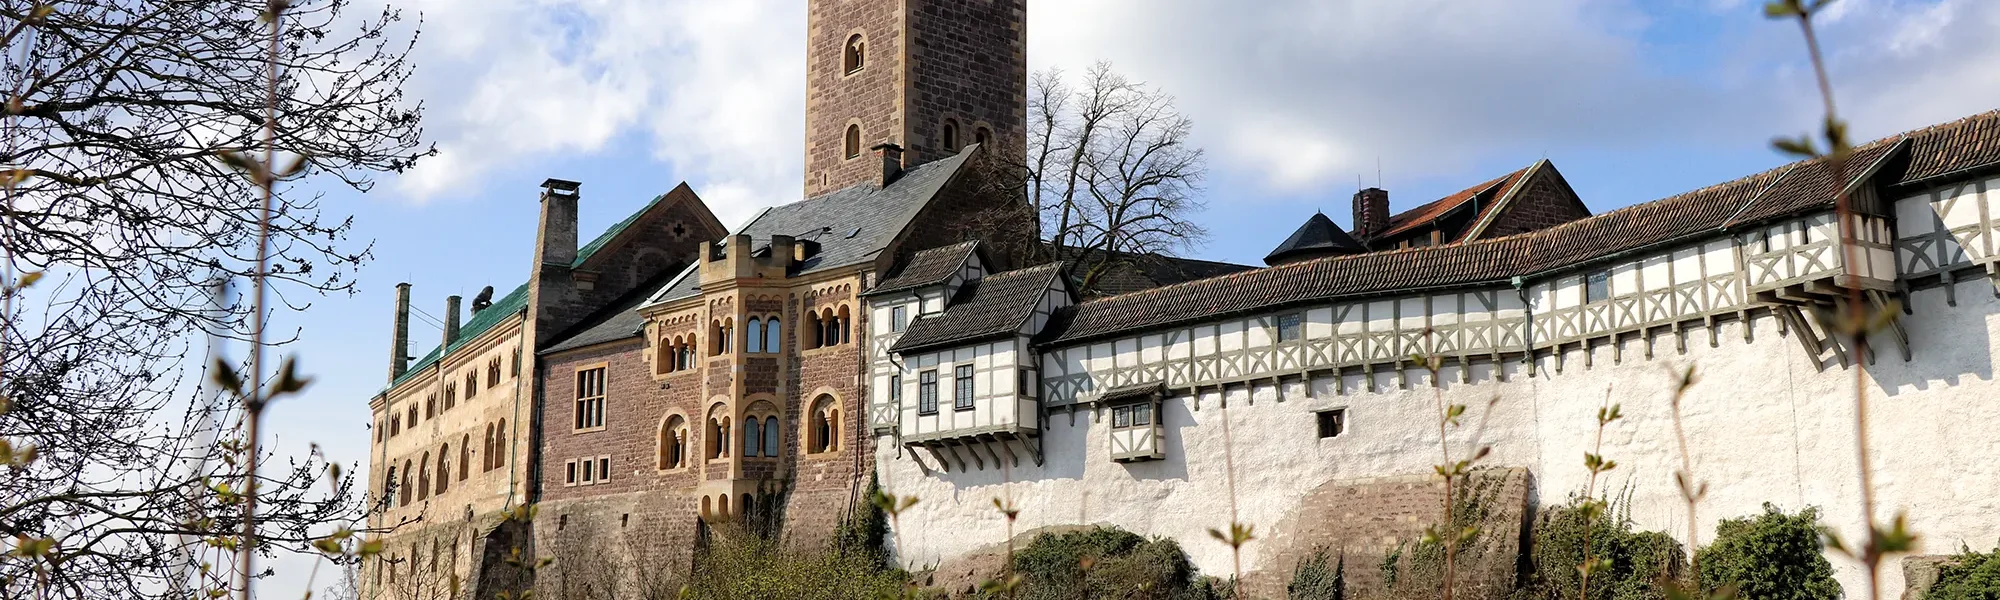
(828, 328)
(434, 477)
(432, 408)
(764, 335)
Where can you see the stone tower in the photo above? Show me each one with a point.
(931, 76)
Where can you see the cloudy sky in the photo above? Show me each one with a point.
(1293, 99)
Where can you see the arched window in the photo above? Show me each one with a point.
(717, 444)
(823, 431)
(404, 485)
(771, 436)
(982, 136)
(444, 468)
(389, 487)
(500, 441)
(424, 477)
(673, 443)
(486, 452)
(844, 328)
(471, 385)
(851, 145)
(753, 437)
(464, 456)
(493, 372)
(430, 407)
(774, 340)
(413, 413)
(950, 136)
(753, 336)
(814, 331)
(855, 54)
(395, 425)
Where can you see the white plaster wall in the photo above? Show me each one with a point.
(1765, 426)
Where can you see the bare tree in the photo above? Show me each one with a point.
(1109, 171)
(124, 122)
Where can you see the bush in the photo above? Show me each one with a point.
(1639, 559)
(1969, 576)
(1772, 556)
(1107, 563)
(1415, 570)
(740, 566)
(1315, 580)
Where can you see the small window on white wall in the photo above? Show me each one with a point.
(1331, 422)
(1290, 327)
(1597, 286)
(961, 396)
(898, 319)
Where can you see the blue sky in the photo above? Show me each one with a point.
(1632, 100)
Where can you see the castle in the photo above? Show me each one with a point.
(673, 373)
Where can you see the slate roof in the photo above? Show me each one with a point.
(621, 320)
(852, 225)
(1317, 235)
(481, 322)
(1414, 218)
(994, 305)
(926, 267)
(1788, 190)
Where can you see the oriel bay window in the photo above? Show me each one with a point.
(1136, 429)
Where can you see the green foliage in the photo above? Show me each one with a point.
(739, 566)
(1316, 580)
(1108, 563)
(1969, 576)
(864, 530)
(1637, 560)
(1772, 556)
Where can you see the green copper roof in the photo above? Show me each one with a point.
(583, 253)
(480, 323)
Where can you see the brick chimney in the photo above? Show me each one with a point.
(450, 321)
(555, 243)
(399, 349)
(892, 161)
(1371, 212)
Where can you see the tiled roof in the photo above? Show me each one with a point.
(621, 320)
(1787, 190)
(1423, 215)
(480, 323)
(930, 266)
(1318, 235)
(993, 305)
(851, 225)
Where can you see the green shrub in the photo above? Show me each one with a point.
(1772, 556)
(1639, 559)
(1969, 576)
(1109, 564)
(1416, 570)
(740, 566)
(1315, 580)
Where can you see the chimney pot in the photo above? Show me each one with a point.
(892, 161)
(399, 348)
(450, 323)
(1371, 212)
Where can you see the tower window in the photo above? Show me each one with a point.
(851, 147)
(982, 136)
(856, 52)
(950, 135)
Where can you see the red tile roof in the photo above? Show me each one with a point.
(1414, 218)
(1788, 190)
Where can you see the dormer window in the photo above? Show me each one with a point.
(856, 53)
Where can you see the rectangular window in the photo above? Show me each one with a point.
(1597, 286)
(571, 478)
(590, 398)
(896, 390)
(589, 471)
(898, 319)
(1027, 385)
(1133, 416)
(604, 468)
(1142, 415)
(1121, 417)
(1331, 422)
(1290, 327)
(961, 396)
(927, 393)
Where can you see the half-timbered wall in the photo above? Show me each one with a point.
(1948, 227)
(997, 404)
(883, 414)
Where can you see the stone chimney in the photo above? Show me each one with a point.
(783, 251)
(892, 161)
(450, 321)
(556, 241)
(1371, 212)
(399, 349)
